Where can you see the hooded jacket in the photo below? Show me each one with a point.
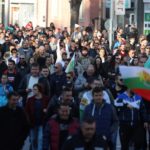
(105, 116)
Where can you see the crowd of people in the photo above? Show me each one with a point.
(81, 109)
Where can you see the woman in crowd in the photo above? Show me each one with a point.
(36, 108)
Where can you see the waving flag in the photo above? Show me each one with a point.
(71, 65)
(137, 79)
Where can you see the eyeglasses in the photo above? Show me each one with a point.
(22, 58)
(56, 67)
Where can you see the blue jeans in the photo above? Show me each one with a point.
(114, 139)
(36, 137)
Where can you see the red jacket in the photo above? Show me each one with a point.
(55, 133)
(31, 111)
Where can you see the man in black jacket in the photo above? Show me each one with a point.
(14, 126)
(44, 81)
(57, 80)
(86, 139)
(67, 98)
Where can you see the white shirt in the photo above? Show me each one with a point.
(87, 98)
(32, 81)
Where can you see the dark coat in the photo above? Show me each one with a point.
(55, 101)
(77, 141)
(23, 86)
(105, 116)
(57, 82)
(13, 78)
(53, 132)
(130, 116)
(30, 109)
(14, 128)
(23, 69)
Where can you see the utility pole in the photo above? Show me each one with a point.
(111, 23)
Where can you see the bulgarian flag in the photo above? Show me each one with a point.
(137, 79)
(71, 65)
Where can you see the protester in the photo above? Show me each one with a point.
(26, 84)
(59, 128)
(25, 51)
(86, 138)
(36, 108)
(12, 74)
(88, 96)
(14, 126)
(131, 113)
(104, 114)
(5, 89)
(67, 98)
(57, 80)
(44, 81)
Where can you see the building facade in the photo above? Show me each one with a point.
(44, 12)
(95, 12)
(146, 17)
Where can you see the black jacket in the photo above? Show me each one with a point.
(14, 128)
(55, 101)
(77, 141)
(23, 69)
(57, 82)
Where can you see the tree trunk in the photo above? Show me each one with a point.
(75, 8)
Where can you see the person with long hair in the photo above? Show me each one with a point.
(99, 67)
(102, 54)
(36, 108)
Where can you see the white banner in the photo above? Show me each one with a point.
(120, 7)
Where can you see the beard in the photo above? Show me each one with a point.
(122, 86)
